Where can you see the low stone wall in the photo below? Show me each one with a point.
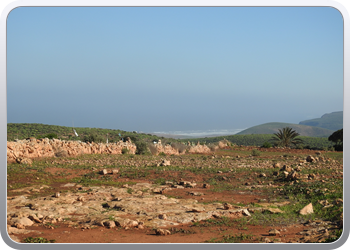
(167, 149)
(23, 151)
(37, 148)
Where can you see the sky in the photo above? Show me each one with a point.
(173, 68)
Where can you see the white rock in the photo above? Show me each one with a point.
(307, 210)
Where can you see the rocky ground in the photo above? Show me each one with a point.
(237, 194)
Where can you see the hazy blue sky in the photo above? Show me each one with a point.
(166, 68)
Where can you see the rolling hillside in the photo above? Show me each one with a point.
(25, 130)
(332, 121)
(272, 127)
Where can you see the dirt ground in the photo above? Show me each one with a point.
(200, 232)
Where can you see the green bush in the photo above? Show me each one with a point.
(38, 240)
(256, 152)
(266, 145)
(49, 136)
(125, 151)
(141, 148)
(93, 138)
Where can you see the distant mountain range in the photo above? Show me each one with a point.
(332, 121)
(318, 127)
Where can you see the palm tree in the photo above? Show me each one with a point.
(286, 137)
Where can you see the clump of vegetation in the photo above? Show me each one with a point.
(179, 147)
(61, 153)
(152, 148)
(38, 240)
(337, 138)
(256, 152)
(141, 148)
(125, 151)
(49, 136)
(213, 147)
(266, 145)
(93, 138)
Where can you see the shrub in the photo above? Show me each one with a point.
(93, 138)
(51, 136)
(256, 152)
(125, 151)
(152, 149)
(179, 147)
(141, 148)
(61, 153)
(38, 240)
(162, 154)
(266, 145)
(213, 147)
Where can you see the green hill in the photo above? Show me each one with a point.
(272, 127)
(332, 121)
(25, 130)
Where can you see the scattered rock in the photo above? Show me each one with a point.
(307, 210)
(227, 206)
(274, 232)
(276, 165)
(23, 160)
(310, 159)
(162, 216)
(104, 172)
(162, 232)
(109, 224)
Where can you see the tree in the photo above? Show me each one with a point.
(286, 137)
(337, 138)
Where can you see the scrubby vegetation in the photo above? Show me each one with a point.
(144, 142)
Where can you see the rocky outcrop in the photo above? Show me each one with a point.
(114, 207)
(23, 150)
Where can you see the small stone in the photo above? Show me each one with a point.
(274, 232)
(307, 210)
(109, 224)
(227, 206)
(19, 226)
(162, 216)
(276, 165)
(162, 232)
(81, 198)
